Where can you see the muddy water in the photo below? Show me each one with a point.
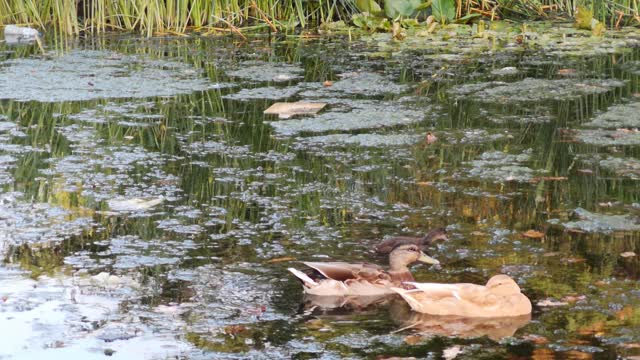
(149, 207)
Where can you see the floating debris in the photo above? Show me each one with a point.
(286, 110)
(134, 204)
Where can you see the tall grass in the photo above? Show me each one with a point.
(170, 16)
(179, 16)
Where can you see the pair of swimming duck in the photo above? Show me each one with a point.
(500, 297)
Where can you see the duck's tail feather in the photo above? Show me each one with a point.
(306, 280)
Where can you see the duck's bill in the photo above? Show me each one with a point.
(424, 258)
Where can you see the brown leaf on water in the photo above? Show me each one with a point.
(548, 178)
(573, 298)
(327, 83)
(550, 254)
(567, 72)
(626, 313)
(551, 303)
(234, 330)
(424, 183)
(533, 234)
(280, 259)
(536, 339)
(595, 328)
(413, 339)
(627, 254)
(478, 233)
(578, 355)
(585, 171)
(543, 354)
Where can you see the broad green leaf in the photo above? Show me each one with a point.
(443, 10)
(583, 18)
(370, 6)
(396, 8)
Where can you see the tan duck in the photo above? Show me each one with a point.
(500, 297)
(432, 236)
(344, 279)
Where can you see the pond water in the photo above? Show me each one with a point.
(150, 209)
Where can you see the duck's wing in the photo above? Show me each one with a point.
(343, 271)
(462, 292)
(388, 245)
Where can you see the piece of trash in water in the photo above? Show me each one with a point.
(286, 110)
(134, 204)
(17, 34)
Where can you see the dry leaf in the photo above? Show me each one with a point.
(573, 298)
(280, 259)
(551, 303)
(567, 72)
(424, 183)
(627, 254)
(413, 339)
(327, 83)
(287, 110)
(234, 330)
(550, 254)
(534, 234)
(536, 339)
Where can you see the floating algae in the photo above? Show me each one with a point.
(358, 83)
(500, 167)
(618, 116)
(260, 71)
(618, 137)
(594, 222)
(366, 140)
(533, 90)
(268, 93)
(364, 115)
(87, 75)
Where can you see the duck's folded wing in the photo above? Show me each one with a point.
(466, 292)
(341, 271)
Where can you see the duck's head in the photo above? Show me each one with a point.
(435, 235)
(503, 285)
(407, 254)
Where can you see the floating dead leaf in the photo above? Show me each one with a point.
(566, 72)
(234, 330)
(630, 345)
(478, 233)
(280, 259)
(578, 355)
(627, 254)
(572, 260)
(626, 313)
(451, 352)
(424, 183)
(553, 253)
(575, 231)
(536, 339)
(551, 303)
(573, 298)
(585, 171)
(286, 110)
(533, 234)
(548, 178)
(595, 328)
(430, 138)
(327, 83)
(542, 354)
(413, 339)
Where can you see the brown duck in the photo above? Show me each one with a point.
(432, 236)
(364, 279)
(500, 297)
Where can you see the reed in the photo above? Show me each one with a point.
(151, 17)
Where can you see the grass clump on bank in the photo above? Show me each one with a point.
(180, 16)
